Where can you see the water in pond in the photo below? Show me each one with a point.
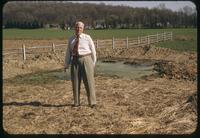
(102, 68)
(115, 69)
(124, 70)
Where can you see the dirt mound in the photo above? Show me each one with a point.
(147, 52)
(121, 52)
(171, 70)
(15, 65)
(170, 55)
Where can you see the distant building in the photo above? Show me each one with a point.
(65, 26)
(46, 26)
(168, 24)
(159, 24)
(100, 24)
(54, 26)
(88, 27)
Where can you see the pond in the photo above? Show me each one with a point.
(116, 69)
(124, 70)
(111, 69)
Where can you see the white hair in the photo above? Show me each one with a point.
(79, 23)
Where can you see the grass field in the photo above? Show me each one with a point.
(184, 39)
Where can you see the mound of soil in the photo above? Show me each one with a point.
(187, 71)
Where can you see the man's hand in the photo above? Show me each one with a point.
(65, 68)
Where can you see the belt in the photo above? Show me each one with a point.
(80, 56)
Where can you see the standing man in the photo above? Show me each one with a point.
(81, 54)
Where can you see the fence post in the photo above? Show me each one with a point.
(126, 42)
(157, 38)
(97, 43)
(24, 51)
(113, 43)
(53, 47)
(164, 36)
(171, 35)
(148, 40)
(138, 40)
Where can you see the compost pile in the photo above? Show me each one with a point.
(36, 100)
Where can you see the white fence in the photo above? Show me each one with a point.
(106, 43)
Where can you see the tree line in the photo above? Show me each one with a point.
(64, 14)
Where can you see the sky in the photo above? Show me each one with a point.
(173, 5)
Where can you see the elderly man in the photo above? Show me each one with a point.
(81, 54)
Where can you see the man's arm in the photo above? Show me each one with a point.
(92, 47)
(67, 57)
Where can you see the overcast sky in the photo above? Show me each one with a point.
(173, 5)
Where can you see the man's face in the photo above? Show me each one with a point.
(78, 29)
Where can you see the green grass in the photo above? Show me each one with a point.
(35, 34)
(183, 39)
(179, 45)
(96, 34)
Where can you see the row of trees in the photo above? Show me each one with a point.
(64, 14)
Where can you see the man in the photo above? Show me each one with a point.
(81, 54)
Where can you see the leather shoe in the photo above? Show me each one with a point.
(93, 106)
(75, 105)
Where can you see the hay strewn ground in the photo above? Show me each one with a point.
(35, 102)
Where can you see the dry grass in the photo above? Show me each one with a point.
(35, 102)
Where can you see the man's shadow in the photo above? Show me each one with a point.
(35, 103)
(37, 78)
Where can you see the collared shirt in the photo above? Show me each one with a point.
(86, 46)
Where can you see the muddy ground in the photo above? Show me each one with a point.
(37, 102)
